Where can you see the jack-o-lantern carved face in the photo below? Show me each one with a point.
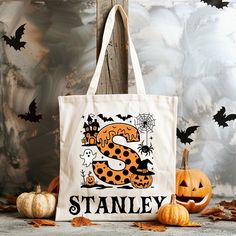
(90, 181)
(193, 189)
(141, 181)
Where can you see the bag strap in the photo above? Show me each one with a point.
(105, 41)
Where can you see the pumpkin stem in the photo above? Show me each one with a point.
(38, 189)
(173, 199)
(184, 164)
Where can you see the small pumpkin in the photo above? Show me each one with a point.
(141, 181)
(173, 213)
(193, 188)
(53, 186)
(37, 204)
(90, 181)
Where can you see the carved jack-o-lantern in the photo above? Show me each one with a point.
(90, 181)
(193, 188)
(141, 181)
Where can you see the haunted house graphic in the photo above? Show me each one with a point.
(90, 131)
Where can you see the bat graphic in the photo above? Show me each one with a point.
(221, 118)
(105, 119)
(123, 117)
(216, 3)
(31, 115)
(184, 135)
(14, 41)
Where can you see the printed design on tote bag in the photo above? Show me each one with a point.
(145, 124)
(135, 172)
(105, 119)
(124, 118)
(90, 131)
(90, 180)
(88, 157)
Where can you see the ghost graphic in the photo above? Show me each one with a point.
(88, 157)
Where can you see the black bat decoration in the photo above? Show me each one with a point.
(105, 119)
(221, 119)
(216, 3)
(123, 117)
(31, 115)
(184, 135)
(14, 41)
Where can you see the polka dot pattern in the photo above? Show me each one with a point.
(115, 151)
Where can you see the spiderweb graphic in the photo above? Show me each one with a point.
(145, 123)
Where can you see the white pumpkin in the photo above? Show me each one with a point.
(37, 204)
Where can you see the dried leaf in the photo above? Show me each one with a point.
(151, 226)
(215, 218)
(226, 215)
(81, 221)
(222, 211)
(42, 222)
(228, 205)
(53, 186)
(233, 211)
(11, 199)
(212, 210)
(192, 224)
(7, 208)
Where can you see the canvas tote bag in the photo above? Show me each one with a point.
(118, 152)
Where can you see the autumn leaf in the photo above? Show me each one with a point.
(228, 205)
(222, 217)
(53, 186)
(222, 211)
(42, 222)
(212, 210)
(151, 226)
(7, 208)
(192, 224)
(81, 221)
(11, 199)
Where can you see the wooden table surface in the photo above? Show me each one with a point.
(12, 224)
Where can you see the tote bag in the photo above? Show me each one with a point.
(118, 152)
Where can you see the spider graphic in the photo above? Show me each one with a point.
(145, 148)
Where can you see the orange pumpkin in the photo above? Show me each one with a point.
(173, 213)
(193, 188)
(53, 186)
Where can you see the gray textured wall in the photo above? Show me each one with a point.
(186, 48)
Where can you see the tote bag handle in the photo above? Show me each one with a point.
(105, 41)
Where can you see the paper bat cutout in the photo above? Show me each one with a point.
(221, 119)
(31, 115)
(216, 3)
(123, 117)
(184, 135)
(14, 41)
(105, 119)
